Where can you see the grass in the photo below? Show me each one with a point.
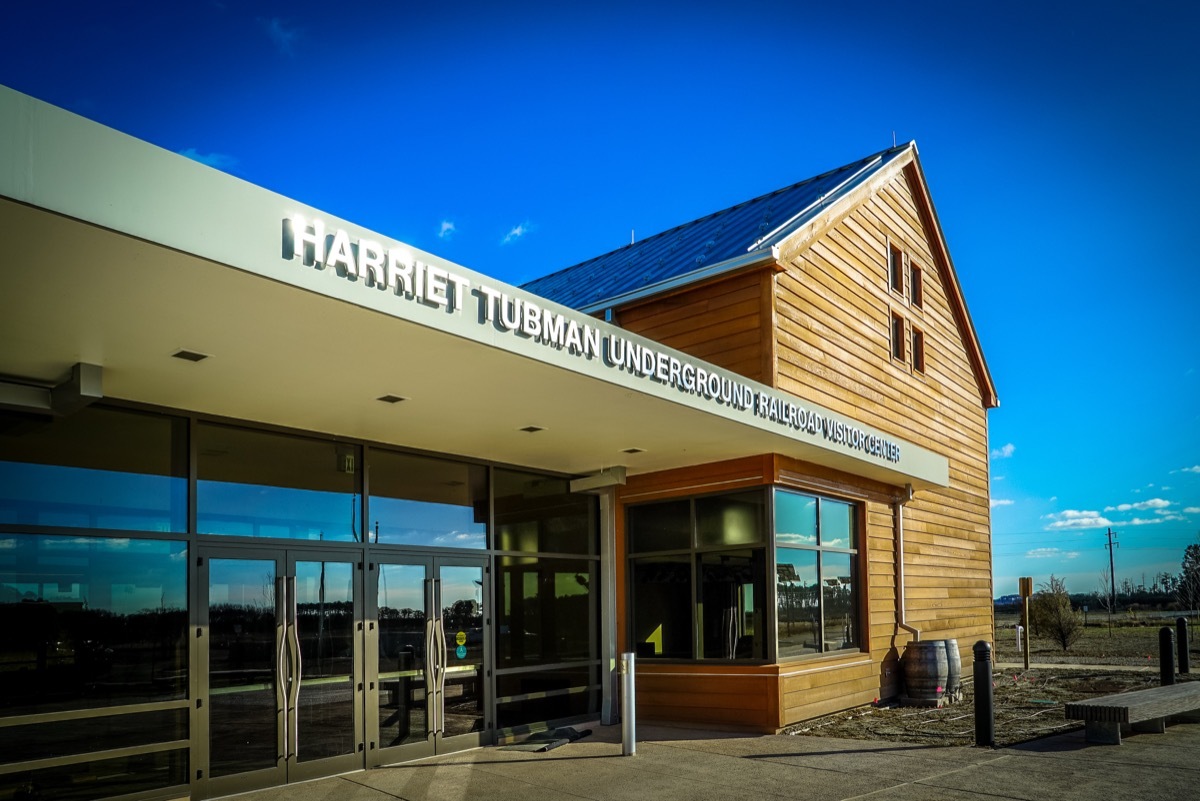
(1125, 644)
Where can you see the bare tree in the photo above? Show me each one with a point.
(1103, 594)
(1187, 590)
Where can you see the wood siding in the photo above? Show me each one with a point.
(834, 313)
(825, 325)
(725, 322)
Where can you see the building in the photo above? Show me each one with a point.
(281, 497)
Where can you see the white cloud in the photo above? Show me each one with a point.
(283, 37)
(1073, 518)
(1192, 510)
(1050, 553)
(1192, 469)
(446, 230)
(517, 232)
(220, 161)
(1053, 498)
(1140, 506)
(1143, 521)
(1004, 451)
(1001, 502)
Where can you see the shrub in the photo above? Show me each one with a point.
(1051, 615)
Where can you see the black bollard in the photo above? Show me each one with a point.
(1166, 655)
(985, 719)
(1181, 641)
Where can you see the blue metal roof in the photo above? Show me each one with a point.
(736, 232)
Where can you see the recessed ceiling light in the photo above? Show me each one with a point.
(390, 398)
(634, 450)
(532, 429)
(189, 355)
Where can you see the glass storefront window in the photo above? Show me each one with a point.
(659, 526)
(99, 468)
(536, 513)
(817, 587)
(730, 519)
(140, 773)
(263, 484)
(732, 588)
(798, 598)
(706, 600)
(546, 695)
(546, 610)
(419, 500)
(91, 622)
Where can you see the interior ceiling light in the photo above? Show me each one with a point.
(532, 429)
(189, 355)
(390, 398)
(634, 450)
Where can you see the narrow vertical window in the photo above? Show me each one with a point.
(918, 350)
(896, 268)
(917, 287)
(897, 337)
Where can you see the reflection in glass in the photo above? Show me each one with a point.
(462, 624)
(839, 600)
(796, 591)
(735, 519)
(544, 609)
(242, 710)
(732, 589)
(141, 773)
(401, 604)
(837, 524)
(83, 735)
(418, 500)
(662, 606)
(816, 586)
(263, 484)
(325, 626)
(539, 513)
(90, 622)
(98, 468)
(795, 518)
(659, 526)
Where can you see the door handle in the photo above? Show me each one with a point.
(281, 660)
(297, 669)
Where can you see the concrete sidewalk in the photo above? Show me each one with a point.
(691, 765)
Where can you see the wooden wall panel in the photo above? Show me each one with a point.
(732, 696)
(724, 322)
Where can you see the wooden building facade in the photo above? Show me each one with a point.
(856, 308)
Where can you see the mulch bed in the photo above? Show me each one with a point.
(1028, 704)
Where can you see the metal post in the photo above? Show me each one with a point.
(628, 722)
(1181, 641)
(985, 720)
(1028, 633)
(1166, 655)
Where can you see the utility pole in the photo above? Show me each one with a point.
(1112, 574)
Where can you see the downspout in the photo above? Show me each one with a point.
(898, 517)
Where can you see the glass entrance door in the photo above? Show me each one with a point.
(280, 664)
(429, 673)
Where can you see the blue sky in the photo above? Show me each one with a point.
(1059, 140)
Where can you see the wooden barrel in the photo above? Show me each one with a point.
(926, 670)
(954, 672)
